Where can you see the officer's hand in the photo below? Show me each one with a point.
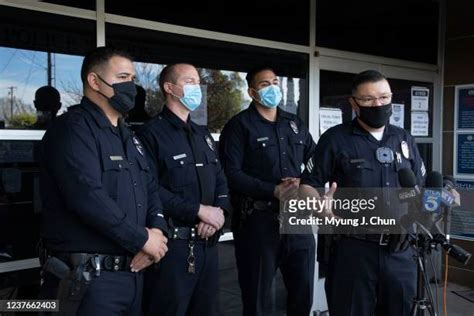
(287, 190)
(141, 261)
(327, 210)
(211, 215)
(156, 244)
(292, 179)
(205, 230)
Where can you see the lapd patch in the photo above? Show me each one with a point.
(405, 150)
(294, 127)
(138, 145)
(209, 142)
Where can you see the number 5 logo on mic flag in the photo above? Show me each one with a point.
(431, 201)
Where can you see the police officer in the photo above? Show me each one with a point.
(138, 115)
(368, 275)
(263, 150)
(193, 189)
(47, 103)
(102, 218)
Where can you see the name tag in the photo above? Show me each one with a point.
(179, 156)
(262, 139)
(116, 158)
(356, 160)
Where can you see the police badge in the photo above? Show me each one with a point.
(138, 145)
(294, 127)
(209, 142)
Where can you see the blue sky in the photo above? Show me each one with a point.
(26, 70)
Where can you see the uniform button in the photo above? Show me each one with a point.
(117, 260)
(387, 184)
(284, 168)
(283, 153)
(120, 166)
(282, 138)
(263, 145)
(181, 162)
(139, 205)
(116, 267)
(131, 163)
(135, 183)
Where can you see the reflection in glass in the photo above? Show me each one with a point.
(23, 72)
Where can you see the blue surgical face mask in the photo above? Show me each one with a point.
(270, 96)
(192, 96)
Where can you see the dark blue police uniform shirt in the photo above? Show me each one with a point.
(257, 153)
(97, 190)
(346, 154)
(172, 160)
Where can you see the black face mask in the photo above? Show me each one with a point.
(375, 116)
(123, 99)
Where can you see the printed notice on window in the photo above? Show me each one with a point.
(420, 98)
(329, 117)
(419, 123)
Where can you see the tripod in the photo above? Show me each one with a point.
(423, 245)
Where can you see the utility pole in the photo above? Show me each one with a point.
(12, 98)
(51, 69)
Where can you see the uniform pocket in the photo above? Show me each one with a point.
(179, 171)
(112, 172)
(355, 170)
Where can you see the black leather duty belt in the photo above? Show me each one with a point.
(103, 262)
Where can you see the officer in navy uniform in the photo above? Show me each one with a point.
(194, 192)
(369, 273)
(102, 220)
(264, 150)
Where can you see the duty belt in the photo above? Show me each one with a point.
(96, 261)
(382, 238)
(184, 233)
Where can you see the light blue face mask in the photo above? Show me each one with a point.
(270, 96)
(192, 96)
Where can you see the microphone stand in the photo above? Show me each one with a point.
(422, 246)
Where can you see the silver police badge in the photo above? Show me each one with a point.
(138, 145)
(294, 127)
(405, 150)
(209, 142)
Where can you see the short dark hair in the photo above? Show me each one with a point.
(254, 71)
(168, 74)
(98, 57)
(366, 76)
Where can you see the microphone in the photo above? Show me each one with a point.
(426, 203)
(410, 191)
(423, 203)
(432, 193)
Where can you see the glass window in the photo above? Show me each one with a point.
(276, 20)
(35, 53)
(397, 29)
(23, 73)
